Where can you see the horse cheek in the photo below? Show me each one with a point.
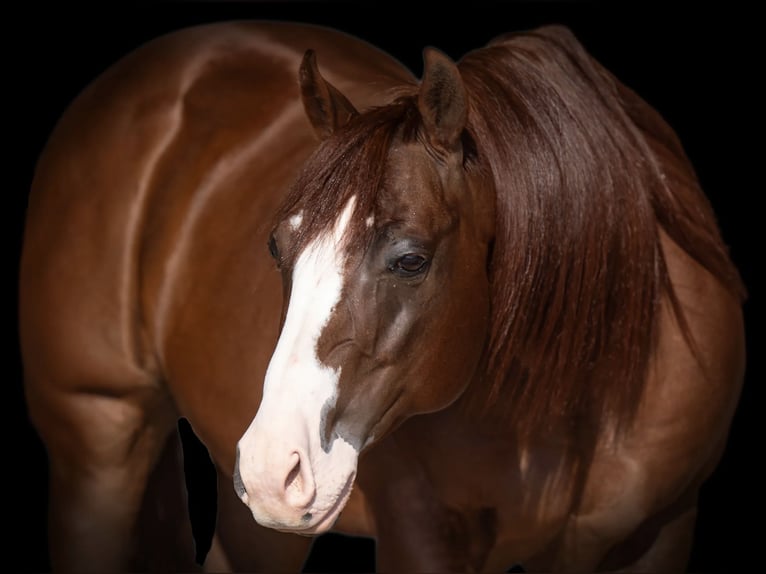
(452, 351)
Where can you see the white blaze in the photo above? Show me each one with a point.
(298, 388)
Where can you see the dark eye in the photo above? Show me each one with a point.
(409, 265)
(273, 248)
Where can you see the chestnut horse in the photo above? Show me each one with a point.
(510, 332)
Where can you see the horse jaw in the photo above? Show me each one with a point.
(290, 477)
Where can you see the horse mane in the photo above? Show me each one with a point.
(584, 173)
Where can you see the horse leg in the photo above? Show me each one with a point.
(598, 543)
(165, 539)
(415, 531)
(671, 548)
(101, 449)
(242, 545)
(662, 544)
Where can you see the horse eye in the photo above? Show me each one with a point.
(409, 265)
(273, 248)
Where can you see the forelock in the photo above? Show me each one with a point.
(351, 162)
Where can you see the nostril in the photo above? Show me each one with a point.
(239, 486)
(299, 483)
(294, 480)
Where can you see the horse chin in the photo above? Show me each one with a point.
(326, 522)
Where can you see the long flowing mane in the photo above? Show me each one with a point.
(585, 174)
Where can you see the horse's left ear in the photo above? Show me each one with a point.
(326, 107)
(442, 101)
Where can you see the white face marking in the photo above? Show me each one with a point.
(295, 221)
(297, 390)
(369, 221)
(295, 372)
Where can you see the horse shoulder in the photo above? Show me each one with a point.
(653, 474)
(693, 389)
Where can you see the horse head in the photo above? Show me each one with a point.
(383, 246)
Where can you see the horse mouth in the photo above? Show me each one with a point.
(326, 521)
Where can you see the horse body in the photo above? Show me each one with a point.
(146, 295)
(152, 193)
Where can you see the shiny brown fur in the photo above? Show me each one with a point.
(576, 429)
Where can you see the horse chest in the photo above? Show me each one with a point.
(514, 499)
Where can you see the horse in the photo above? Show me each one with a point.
(486, 318)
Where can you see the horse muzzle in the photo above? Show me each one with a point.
(293, 485)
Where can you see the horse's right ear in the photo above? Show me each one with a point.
(442, 100)
(326, 108)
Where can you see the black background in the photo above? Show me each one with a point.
(697, 66)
